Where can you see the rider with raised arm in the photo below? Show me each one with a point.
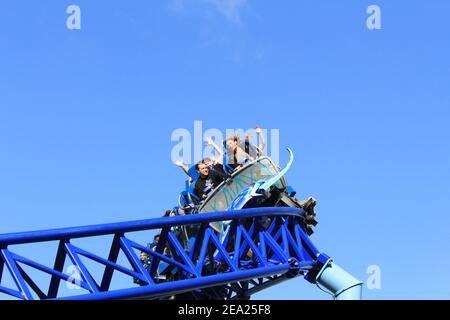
(207, 181)
(237, 157)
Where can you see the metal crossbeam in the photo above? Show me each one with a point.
(250, 257)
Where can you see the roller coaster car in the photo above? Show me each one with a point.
(259, 183)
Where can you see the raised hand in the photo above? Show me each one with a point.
(179, 163)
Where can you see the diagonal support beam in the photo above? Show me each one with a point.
(45, 269)
(155, 255)
(58, 266)
(16, 274)
(134, 260)
(252, 245)
(159, 249)
(179, 250)
(12, 293)
(113, 255)
(71, 252)
(31, 283)
(222, 251)
(2, 264)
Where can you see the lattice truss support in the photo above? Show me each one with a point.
(260, 248)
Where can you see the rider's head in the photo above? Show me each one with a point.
(202, 169)
(208, 162)
(231, 146)
(232, 142)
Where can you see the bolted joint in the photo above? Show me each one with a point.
(294, 268)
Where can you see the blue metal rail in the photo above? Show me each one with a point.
(262, 247)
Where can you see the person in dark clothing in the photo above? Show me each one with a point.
(215, 167)
(155, 242)
(145, 259)
(207, 181)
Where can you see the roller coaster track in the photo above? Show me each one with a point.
(262, 247)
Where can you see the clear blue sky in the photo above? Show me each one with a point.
(86, 118)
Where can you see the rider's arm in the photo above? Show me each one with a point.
(262, 143)
(215, 146)
(183, 167)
